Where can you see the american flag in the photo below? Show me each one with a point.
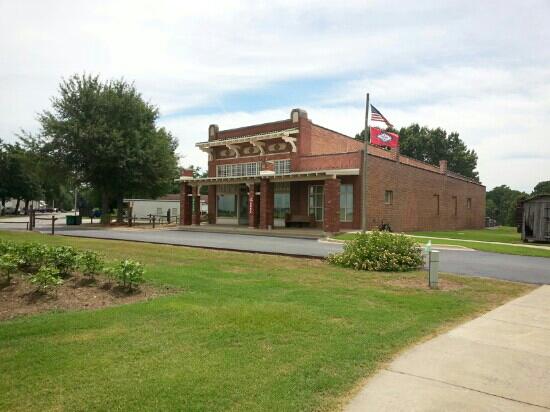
(376, 116)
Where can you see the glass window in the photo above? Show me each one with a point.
(159, 211)
(316, 202)
(238, 169)
(469, 203)
(346, 203)
(227, 205)
(388, 197)
(174, 211)
(282, 166)
(281, 200)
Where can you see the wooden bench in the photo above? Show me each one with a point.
(299, 220)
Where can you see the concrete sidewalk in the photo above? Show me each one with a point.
(497, 362)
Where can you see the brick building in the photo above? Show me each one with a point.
(293, 172)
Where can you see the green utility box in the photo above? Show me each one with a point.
(73, 220)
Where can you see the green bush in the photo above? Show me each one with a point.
(47, 278)
(379, 251)
(90, 263)
(8, 266)
(127, 273)
(30, 255)
(63, 258)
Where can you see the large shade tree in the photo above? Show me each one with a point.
(433, 145)
(104, 135)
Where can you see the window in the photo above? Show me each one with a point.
(281, 200)
(174, 212)
(346, 203)
(388, 197)
(316, 202)
(238, 169)
(159, 211)
(282, 166)
(436, 199)
(227, 205)
(455, 205)
(469, 203)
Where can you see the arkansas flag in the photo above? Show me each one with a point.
(382, 138)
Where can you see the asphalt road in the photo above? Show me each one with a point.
(471, 263)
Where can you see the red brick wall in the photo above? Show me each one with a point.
(413, 183)
(414, 201)
(331, 218)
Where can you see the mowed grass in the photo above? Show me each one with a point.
(247, 332)
(503, 234)
(482, 239)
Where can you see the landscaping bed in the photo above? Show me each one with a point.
(20, 297)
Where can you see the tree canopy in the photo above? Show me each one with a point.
(501, 204)
(542, 188)
(104, 135)
(432, 145)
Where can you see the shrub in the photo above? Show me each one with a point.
(46, 278)
(30, 255)
(90, 263)
(379, 251)
(8, 266)
(63, 258)
(127, 273)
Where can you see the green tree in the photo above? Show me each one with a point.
(542, 188)
(501, 204)
(432, 145)
(19, 177)
(105, 136)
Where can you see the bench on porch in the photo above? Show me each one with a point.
(299, 220)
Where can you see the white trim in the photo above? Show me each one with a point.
(282, 134)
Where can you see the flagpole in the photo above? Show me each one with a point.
(365, 163)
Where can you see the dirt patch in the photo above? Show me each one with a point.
(20, 297)
(422, 283)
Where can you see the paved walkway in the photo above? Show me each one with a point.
(499, 361)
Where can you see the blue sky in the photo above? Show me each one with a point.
(479, 68)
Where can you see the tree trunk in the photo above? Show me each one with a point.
(119, 209)
(105, 215)
(3, 211)
(26, 207)
(17, 206)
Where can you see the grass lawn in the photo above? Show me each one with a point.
(464, 238)
(248, 332)
(504, 234)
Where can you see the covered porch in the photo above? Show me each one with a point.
(314, 201)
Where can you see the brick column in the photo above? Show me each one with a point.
(196, 204)
(185, 204)
(266, 204)
(331, 221)
(252, 205)
(212, 199)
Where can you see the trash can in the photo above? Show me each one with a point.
(73, 220)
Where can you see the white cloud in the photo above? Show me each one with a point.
(480, 68)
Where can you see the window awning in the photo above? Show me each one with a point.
(282, 177)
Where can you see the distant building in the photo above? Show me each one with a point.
(294, 172)
(536, 219)
(159, 207)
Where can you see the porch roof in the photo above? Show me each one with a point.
(282, 177)
(248, 138)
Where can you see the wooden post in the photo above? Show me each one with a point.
(154, 218)
(365, 168)
(53, 225)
